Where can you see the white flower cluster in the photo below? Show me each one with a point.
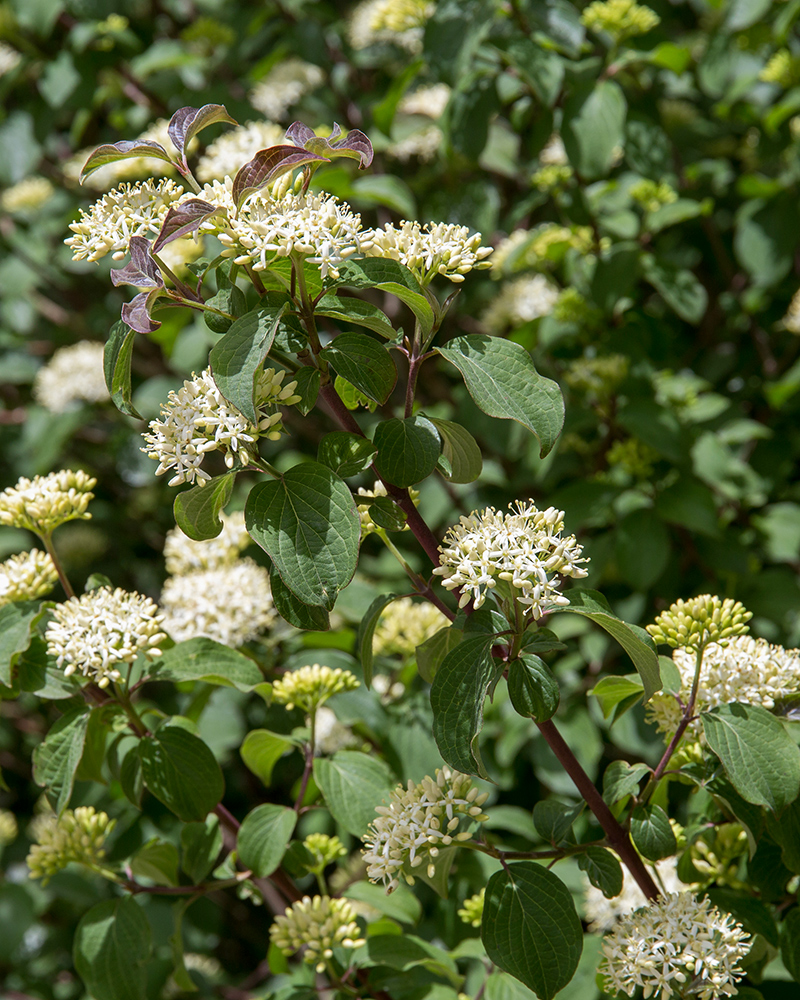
(418, 821)
(231, 603)
(505, 248)
(9, 58)
(431, 249)
(330, 734)
(524, 550)
(553, 153)
(185, 555)
(129, 210)
(27, 195)
(602, 914)
(43, 503)
(197, 419)
(397, 22)
(284, 86)
(100, 630)
(521, 301)
(74, 374)
(406, 624)
(677, 942)
(316, 225)
(423, 144)
(77, 836)
(429, 101)
(226, 155)
(746, 670)
(26, 576)
(320, 925)
(791, 320)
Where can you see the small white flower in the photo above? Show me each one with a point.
(130, 210)
(430, 101)
(675, 941)
(746, 670)
(73, 375)
(43, 503)
(554, 154)
(431, 249)
(185, 555)
(320, 925)
(27, 195)
(525, 550)
(418, 821)
(226, 155)
(284, 86)
(26, 576)
(424, 145)
(197, 419)
(316, 225)
(602, 913)
(102, 629)
(521, 301)
(231, 604)
(9, 59)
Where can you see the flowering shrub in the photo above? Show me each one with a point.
(414, 606)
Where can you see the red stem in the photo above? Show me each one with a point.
(617, 836)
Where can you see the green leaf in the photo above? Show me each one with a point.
(622, 779)
(56, 759)
(634, 640)
(180, 770)
(386, 514)
(679, 288)
(617, 694)
(406, 951)
(366, 631)
(353, 784)
(642, 548)
(309, 526)
(401, 905)
(594, 127)
(433, 651)
(180, 974)
(308, 382)
(156, 860)
(471, 106)
(364, 362)
(387, 190)
(602, 869)
(553, 820)
(238, 357)
(530, 927)
(457, 695)
(651, 833)
(17, 623)
(308, 617)
(389, 276)
(461, 450)
(541, 68)
(408, 449)
(197, 510)
(766, 237)
(111, 950)
(533, 690)
(264, 836)
(200, 847)
(262, 750)
(126, 149)
(356, 311)
(346, 454)
(760, 758)
(187, 122)
(202, 659)
(117, 355)
(503, 381)
(790, 943)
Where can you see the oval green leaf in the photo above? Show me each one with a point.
(408, 450)
(112, 946)
(180, 770)
(264, 836)
(364, 362)
(197, 510)
(353, 784)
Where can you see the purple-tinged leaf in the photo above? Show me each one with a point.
(268, 164)
(124, 150)
(354, 145)
(141, 271)
(182, 219)
(187, 122)
(136, 313)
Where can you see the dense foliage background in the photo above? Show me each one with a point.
(670, 231)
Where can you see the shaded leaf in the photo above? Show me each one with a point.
(56, 759)
(117, 357)
(308, 617)
(533, 689)
(262, 750)
(180, 770)
(461, 450)
(602, 869)
(651, 833)
(267, 165)
(141, 271)
(264, 836)
(197, 510)
(124, 150)
(408, 449)
(353, 784)
(346, 454)
(183, 219)
(111, 950)
(364, 362)
(366, 632)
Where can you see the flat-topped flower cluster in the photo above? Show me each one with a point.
(524, 549)
(43, 503)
